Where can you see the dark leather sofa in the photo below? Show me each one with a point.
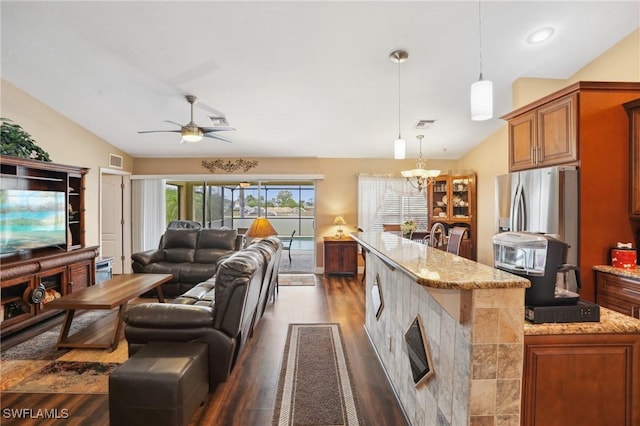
(222, 311)
(191, 255)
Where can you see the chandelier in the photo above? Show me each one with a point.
(420, 177)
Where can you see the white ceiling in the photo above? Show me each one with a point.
(295, 78)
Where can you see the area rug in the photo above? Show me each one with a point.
(296, 279)
(43, 346)
(36, 366)
(315, 387)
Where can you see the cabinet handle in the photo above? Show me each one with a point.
(634, 292)
(533, 154)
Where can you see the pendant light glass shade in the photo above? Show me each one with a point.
(481, 100)
(481, 90)
(399, 149)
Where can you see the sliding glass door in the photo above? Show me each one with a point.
(289, 206)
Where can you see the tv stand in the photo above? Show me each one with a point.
(31, 278)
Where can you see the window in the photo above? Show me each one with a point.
(383, 200)
(172, 195)
(289, 206)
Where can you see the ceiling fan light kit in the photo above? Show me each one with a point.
(191, 133)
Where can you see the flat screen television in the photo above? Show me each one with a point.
(31, 219)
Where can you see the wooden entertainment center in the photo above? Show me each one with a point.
(46, 273)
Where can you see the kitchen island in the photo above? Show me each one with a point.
(472, 317)
(487, 364)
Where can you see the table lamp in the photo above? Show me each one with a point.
(339, 220)
(261, 228)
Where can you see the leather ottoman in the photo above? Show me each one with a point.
(161, 384)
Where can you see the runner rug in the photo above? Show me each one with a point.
(36, 366)
(315, 385)
(296, 279)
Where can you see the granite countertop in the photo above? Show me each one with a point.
(633, 273)
(610, 322)
(435, 268)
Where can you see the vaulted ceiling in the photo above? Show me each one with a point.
(295, 78)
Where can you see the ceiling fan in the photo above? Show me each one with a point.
(191, 132)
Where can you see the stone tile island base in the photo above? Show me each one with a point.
(474, 335)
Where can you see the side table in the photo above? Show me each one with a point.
(340, 256)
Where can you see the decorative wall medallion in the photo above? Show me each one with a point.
(229, 166)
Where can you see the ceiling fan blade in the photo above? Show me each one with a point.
(215, 129)
(216, 136)
(173, 122)
(161, 131)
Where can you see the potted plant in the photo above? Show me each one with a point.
(408, 228)
(16, 142)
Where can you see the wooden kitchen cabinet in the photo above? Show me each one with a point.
(618, 293)
(572, 379)
(583, 125)
(452, 201)
(340, 256)
(544, 136)
(633, 109)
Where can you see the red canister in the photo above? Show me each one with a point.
(623, 258)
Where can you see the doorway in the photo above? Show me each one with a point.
(115, 219)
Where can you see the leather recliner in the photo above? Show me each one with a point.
(190, 255)
(221, 311)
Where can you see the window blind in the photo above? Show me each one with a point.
(389, 200)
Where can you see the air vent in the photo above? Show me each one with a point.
(219, 121)
(115, 161)
(424, 124)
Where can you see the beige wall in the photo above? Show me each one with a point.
(69, 143)
(66, 142)
(491, 157)
(336, 192)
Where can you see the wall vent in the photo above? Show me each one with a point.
(115, 161)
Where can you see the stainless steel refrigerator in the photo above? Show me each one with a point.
(541, 200)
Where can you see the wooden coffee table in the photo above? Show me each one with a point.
(109, 294)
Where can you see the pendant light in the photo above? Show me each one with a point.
(399, 148)
(481, 90)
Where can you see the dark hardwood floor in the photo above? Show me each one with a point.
(248, 397)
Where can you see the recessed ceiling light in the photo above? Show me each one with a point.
(539, 36)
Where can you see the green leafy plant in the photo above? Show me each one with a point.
(16, 142)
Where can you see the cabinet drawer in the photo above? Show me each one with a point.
(619, 305)
(610, 285)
